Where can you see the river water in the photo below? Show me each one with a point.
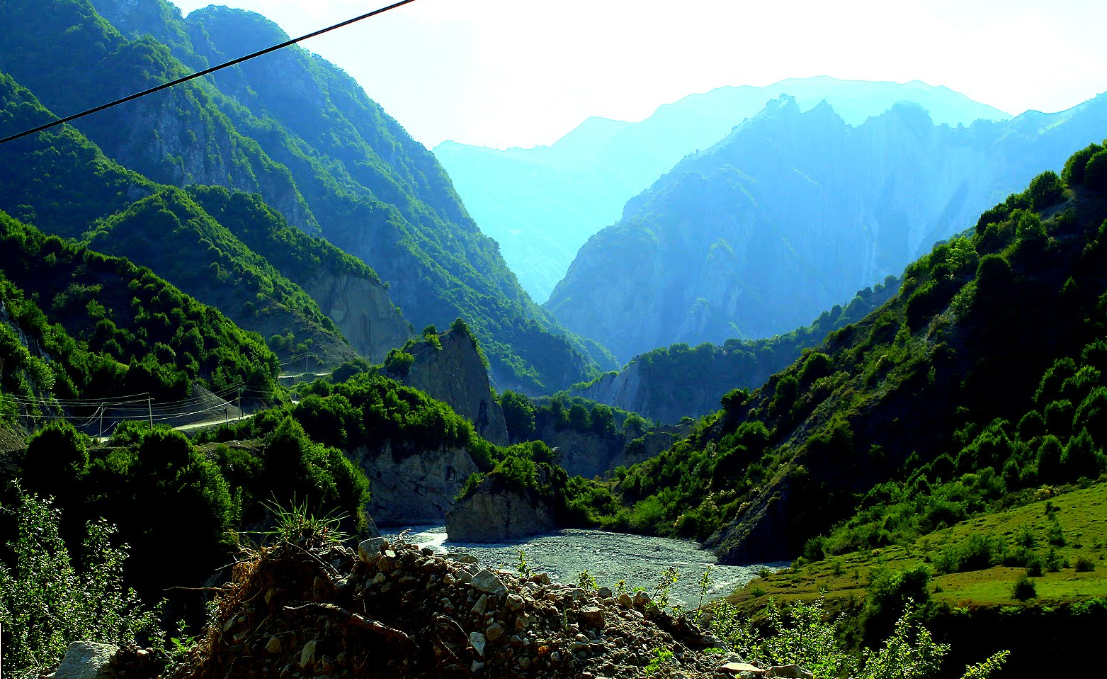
(608, 557)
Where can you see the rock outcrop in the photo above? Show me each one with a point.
(413, 487)
(362, 310)
(456, 375)
(494, 513)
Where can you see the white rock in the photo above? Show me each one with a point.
(86, 660)
(487, 581)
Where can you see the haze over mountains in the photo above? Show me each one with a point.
(792, 213)
(542, 204)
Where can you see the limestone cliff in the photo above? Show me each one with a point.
(362, 310)
(495, 512)
(451, 370)
(413, 488)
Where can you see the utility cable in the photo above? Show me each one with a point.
(206, 71)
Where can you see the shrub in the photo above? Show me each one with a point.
(1084, 564)
(1024, 588)
(1045, 190)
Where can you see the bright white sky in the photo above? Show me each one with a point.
(506, 73)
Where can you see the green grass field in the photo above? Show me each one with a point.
(1072, 525)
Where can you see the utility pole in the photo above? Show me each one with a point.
(101, 423)
(240, 403)
(150, 410)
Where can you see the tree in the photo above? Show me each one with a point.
(56, 461)
(519, 413)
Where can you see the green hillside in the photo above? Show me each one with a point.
(82, 324)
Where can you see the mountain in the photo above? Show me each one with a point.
(671, 383)
(793, 212)
(302, 134)
(979, 382)
(64, 184)
(541, 204)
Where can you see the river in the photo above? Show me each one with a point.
(608, 557)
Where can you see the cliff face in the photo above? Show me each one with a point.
(362, 310)
(455, 374)
(494, 513)
(416, 488)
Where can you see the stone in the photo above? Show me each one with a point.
(370, 548)
(86, 660)
(604, 592)
(521, 622)
(487, 581)
(789, 672)
(307, 655)
(274, 646)
(592, 616)
(482, 605)
(477, 641)
(464, 558)
(379, 578)
(740, 668)
(494, 631)
(515, 602)
(541, 578)
(641, 599)
(625, 601)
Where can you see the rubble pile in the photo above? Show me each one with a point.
(394, 610)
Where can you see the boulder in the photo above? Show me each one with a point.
(86, 660)
(495, 513)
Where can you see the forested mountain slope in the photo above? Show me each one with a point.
(541, 204)
(982, 379)
(679, 381)
(80, 324)
(304, 135)
(793, 212)
(61, 182)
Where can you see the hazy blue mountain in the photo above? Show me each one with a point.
(793, 212)
(543, 203)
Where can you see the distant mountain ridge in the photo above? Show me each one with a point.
(542, 204)
(792, 213)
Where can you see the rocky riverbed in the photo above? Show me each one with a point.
(608, 557)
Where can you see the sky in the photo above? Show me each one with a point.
(503, 73)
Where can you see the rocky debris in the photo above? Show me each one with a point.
(402, 611)
(87, 660)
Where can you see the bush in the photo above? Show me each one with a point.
(1024, 588)
(1084, 564)
(45, 604)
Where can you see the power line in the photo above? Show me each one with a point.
(204, 72)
